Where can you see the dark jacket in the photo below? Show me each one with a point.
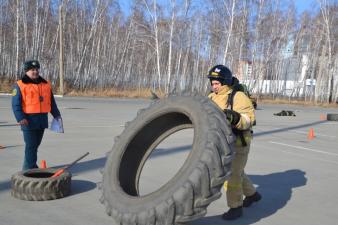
(36, 121)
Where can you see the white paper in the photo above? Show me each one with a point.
(57, 125)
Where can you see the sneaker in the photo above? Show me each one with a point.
(233, 213)
(251, 199)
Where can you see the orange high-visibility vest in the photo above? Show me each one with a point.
(36, 98)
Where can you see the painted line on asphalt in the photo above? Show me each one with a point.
(331, 123)
(303, 148)
(300, 154)
(295, 131)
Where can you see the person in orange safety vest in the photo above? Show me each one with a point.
(32, 100)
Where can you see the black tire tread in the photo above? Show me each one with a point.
(40, 189)
(190, 201)
(332, 117)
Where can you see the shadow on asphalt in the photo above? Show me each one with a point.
(81, 186)
(11, 146)
(276, 189)
(5, 185)
(90, 165)
(257, 134)
(78, 186)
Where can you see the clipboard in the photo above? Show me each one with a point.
(57, 125)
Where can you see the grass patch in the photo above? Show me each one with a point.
(7, 85)
(278, 101)
(115, 92)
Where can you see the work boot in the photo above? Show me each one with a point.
(233, 213)
(251, 199)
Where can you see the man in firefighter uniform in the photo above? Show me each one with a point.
(32, 100)
(240, 113)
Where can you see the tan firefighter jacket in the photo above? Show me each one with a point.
(242, 105)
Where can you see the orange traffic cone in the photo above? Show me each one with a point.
(43, 164)
(311, 134)
(322, 117)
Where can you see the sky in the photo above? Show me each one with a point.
(301, 5)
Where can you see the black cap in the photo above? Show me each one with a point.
(222, 74)
(31, 64)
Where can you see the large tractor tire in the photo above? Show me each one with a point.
(197, 183)
(332, 117)
(38, 185)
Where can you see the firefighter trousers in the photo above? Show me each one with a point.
(239, 183)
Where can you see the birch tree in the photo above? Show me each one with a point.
(170, 45)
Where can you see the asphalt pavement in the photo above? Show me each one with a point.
(297, 177)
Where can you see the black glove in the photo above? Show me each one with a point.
(232, 116)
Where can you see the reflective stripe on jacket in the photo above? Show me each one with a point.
(36, 98)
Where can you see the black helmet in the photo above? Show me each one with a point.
(222, 74)
(31, 64)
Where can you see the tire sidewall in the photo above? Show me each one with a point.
(21, 175)
(200, 120)
(332, 117)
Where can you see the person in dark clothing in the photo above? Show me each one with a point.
(32, 100)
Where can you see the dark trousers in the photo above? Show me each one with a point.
(32, 140)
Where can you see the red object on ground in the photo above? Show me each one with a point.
(43, 164)
(60, 171)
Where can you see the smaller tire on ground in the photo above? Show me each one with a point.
(332, 117)
(38, 185)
